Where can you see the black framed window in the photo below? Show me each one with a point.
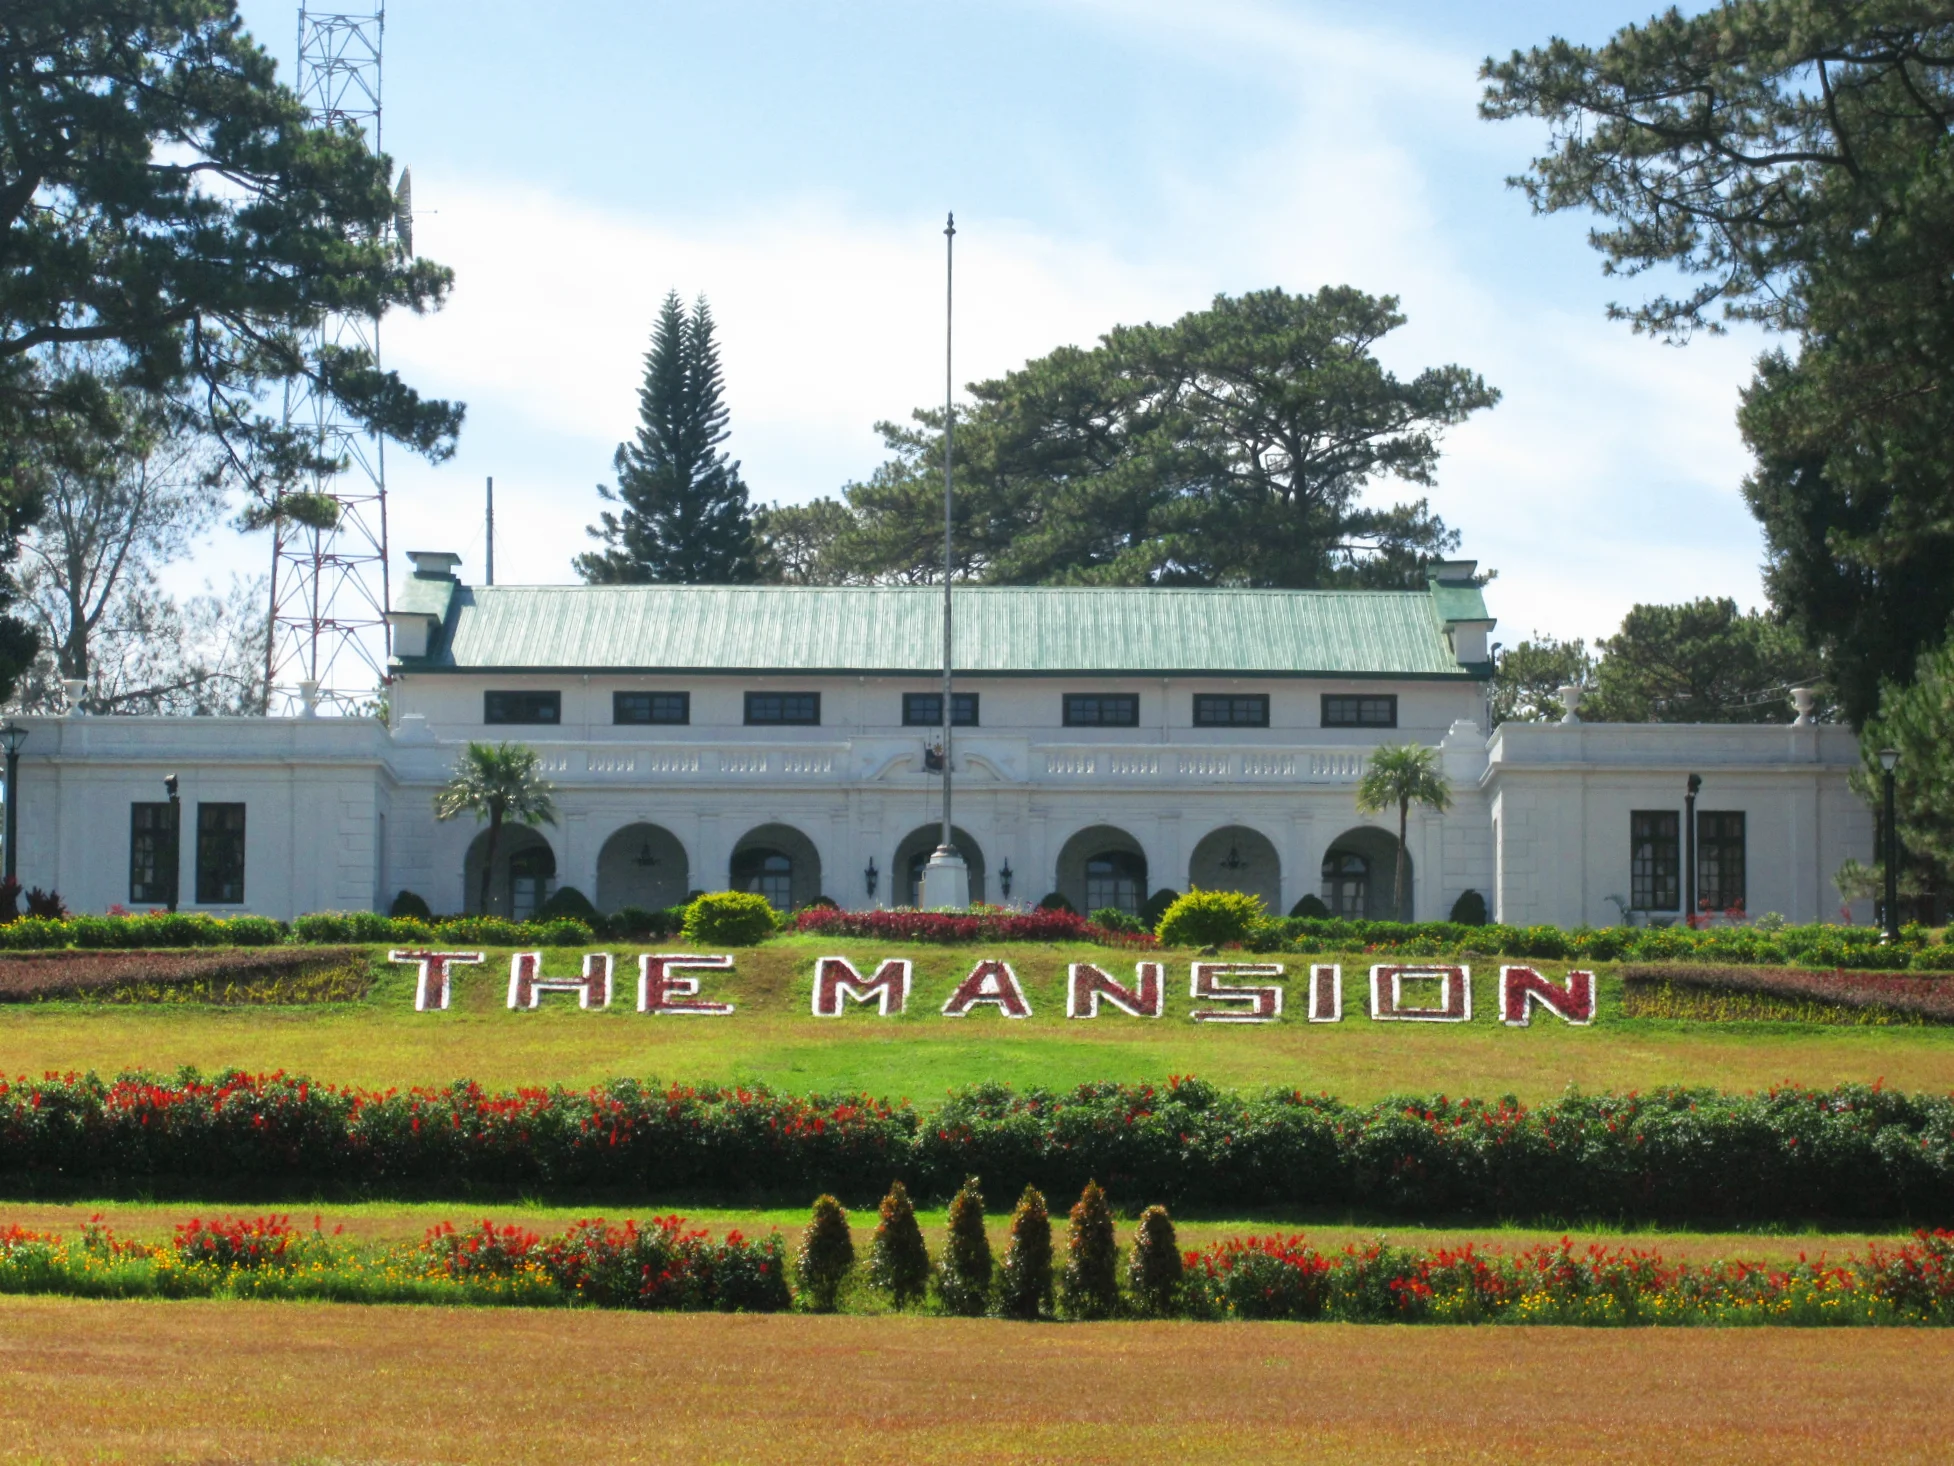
(794, 708)
(925, 709)
(1719, 860)
(152, 853)
(651, 707)
(1102, 710)
(1360, 710)
(220, 854)
(1655, 863)
(522, 707)
(1231, 710)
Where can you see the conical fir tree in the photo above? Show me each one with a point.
(683, 514)
(898, 1259)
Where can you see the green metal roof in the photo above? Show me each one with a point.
(899, 629)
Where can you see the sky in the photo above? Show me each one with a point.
(1109, 162)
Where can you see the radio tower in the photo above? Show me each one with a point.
(329, 587)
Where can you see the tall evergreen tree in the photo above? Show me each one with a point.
(684, 515)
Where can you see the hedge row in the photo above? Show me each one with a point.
(1739, 993)
(1789, 1155)
(1817, 945)
(330, 927)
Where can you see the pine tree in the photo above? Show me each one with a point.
(898, 1259)
(826, 1253)
(1153, 1270)
(963, 1278)
(1089, 1287)
(1025, 1282)
(684, 516)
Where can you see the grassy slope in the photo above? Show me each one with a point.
(773, 1038)
(201, 1381)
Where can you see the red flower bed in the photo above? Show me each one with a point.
(1651, 991)
(980, 924)
(75, 971)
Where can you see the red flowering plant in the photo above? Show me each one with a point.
(665, 1265)
(485, 1251)
(1915, 1279)
(253, 1242)
(1257, 1277)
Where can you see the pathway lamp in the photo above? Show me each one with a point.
(1689, 849)
(1889, 760)
(173, 841)
(12, 735)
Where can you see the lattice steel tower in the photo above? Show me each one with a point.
(329, 587)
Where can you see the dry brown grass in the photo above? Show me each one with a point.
(194, 1382)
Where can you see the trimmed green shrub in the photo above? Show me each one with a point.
(568, 901)
(1157, 905)
(963, 1276)
(1089, 1286)
(406, 903)
(1024, 1283)
(1310, 907)
(1153, 1268)
(1211, 919)
(898, 1259)
(1055, 902)
(730, 919)
(1115, 920)
(1933, 959)
(1469, 909)
(826, 1253)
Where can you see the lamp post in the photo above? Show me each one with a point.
(1889, 760)
(870, 876)
(174, 842)
(1689, 850)
(12, 735)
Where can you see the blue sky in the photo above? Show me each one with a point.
(1108, 162)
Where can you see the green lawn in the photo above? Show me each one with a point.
(772, 1037)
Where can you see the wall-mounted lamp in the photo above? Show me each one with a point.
(870, 877)
(175, 845)
(644, 857)
(1234, 862)
(1004, 878)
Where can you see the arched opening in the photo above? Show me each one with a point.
(906, 878)
(523, 877)
(642, 865)
(1359, 870)
(1103, 866)
(1236, 858)
(778, 862)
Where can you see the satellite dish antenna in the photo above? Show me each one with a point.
(404, 213)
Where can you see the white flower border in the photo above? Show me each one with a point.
(671, 987)
(432, 982)
(841, 982)
(1204, 981)
(1398, 1013)
(982, 987)
(527, 983)
(1578, 991)
(1324, 974)
(1086, 983)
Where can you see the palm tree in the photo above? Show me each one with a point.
(497, 782)
(1403, 774)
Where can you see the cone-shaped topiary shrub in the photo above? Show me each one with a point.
(1089, 1286)
(826, 1253)
(898, 1262)
(1153, 1268)
(963, 1277)
(1024, 1284)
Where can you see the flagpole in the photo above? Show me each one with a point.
(948, 844)
(946, 879)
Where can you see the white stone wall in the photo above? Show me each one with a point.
(340, 813)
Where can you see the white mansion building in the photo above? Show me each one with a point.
(1109, 743)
